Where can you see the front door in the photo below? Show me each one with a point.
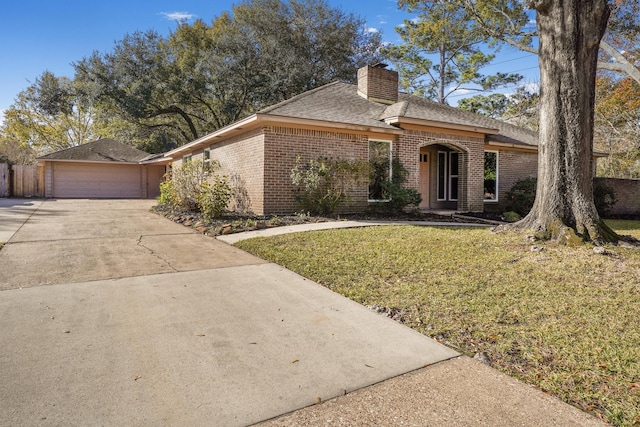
(423, 185)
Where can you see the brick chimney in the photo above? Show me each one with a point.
(378, 84)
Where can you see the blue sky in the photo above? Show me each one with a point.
(39, 35)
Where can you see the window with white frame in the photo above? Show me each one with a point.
(448, 174)
(186, 159)
(380, 157)
(490, 176)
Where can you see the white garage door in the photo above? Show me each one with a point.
(79, 180)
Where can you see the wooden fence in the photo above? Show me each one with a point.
(27, 181)
(4, 180)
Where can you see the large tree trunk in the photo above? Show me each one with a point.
(569, 35)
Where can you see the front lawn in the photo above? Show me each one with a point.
(566, 320)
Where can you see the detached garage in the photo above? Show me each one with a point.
(101, 169)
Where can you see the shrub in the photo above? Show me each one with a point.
(397, 196)
(523, 193)
(521, 196)
(167, 192)
(511, 216)
(195, 187)
(214, 196)
(322, 184)
(604, 197)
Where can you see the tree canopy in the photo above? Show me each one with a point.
(157, 92)
(443, 50)
(52, 113)
(205, 76)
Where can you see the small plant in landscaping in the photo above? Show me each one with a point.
(274, 221)
(167, 192)
(194, 186)
(322, 185)
(511, 216)
(213, 196)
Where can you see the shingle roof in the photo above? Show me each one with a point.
(340, 102)
(102, 150)
(335, 102)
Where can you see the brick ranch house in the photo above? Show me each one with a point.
(444, 149)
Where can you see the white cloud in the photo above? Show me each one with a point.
(372, 30)
(178, 16)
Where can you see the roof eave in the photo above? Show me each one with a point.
(329, 125)
(263, 119)
(399, 121)
(241, 125)
(106, 162)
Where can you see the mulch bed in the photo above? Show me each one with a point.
(236, 223)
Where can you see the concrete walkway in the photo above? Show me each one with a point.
(331, 225)
(113, 315)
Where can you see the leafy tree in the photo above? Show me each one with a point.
(569, 34)
(50, 114)
(15, 153)
(617, 126)
(441, 53)
(619, 48)
(203, 77)
(519, 108)
(494, 105)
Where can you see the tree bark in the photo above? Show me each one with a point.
(569, 34)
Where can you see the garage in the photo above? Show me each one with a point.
(86, 180)
(101, 169)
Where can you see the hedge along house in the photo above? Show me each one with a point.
(447, 152)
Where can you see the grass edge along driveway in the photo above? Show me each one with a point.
(564, 319)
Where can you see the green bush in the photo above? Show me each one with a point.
(604, 197)
(511, 216)
(167, 192)
(322, 185)
(521, 196)
(194, 186)
(523, 193)
(214, 196)
(397, 196)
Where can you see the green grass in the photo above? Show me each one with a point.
(565, 320)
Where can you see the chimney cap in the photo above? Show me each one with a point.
(379, 65)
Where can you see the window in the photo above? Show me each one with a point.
(453, 175)
(186, 159)
(380, 172)
(490, 176)
(448, 172)
(442, 175)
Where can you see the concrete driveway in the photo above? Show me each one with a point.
(112, 315)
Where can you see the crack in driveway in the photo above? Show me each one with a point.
(152, 252)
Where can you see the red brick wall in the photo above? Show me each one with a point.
(471, 178)
(242, 159)
(627, 193)
(378, 83)
(512, 167)
(283, 145)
